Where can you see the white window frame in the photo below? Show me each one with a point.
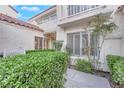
(80, 33)
(88, 32)
(53, 17)
(88, 8)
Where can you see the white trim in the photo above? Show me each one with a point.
(82, 12)
(79, 30)
(73, 44)
(80, 43)
(80, 33)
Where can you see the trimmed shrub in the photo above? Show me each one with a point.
(112, 59)
(116, 65)
(40, 50)
(57, 45)
(118, 72)
(84, 66)
(33, 70)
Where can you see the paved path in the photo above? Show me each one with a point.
(77, 79)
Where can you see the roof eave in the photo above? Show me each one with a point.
(13, 8)
(42, 12)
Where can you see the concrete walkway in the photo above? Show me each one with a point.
(77, 79)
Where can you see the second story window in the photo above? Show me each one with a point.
(74, 9)
(53, 17)
(45, 19)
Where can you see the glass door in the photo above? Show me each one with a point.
(77, 44)
(69, 46)
(84, 44)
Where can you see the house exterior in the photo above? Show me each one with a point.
(8, 10)
(71, 26)
(15, 34)
(47, 20)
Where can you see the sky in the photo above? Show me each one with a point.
(25, 12)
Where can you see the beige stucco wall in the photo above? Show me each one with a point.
(114, 43)
(49, 26)
(64, 18)
(14, 36)
(5, 9)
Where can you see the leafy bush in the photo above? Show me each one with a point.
(57, 45)
(116, 65)
(33, 70)
(112, 59)
(84, 65)
(118, 72)
(40, 50)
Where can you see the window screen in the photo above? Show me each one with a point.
(77, 44)
(70, 43)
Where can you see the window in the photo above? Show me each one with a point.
(70, 10)
(84, 44)
(70, 43)
(77, 43)
(45, 19)
(53, 17)
(74, 9)
(93, 44)
(42, 20)
(38, 42)
(39, 21)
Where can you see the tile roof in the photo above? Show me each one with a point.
(16, 21)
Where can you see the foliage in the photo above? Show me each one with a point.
(118, 72)
(33, 70)
(57, 45)
(112, 59)
(40, 50)
(102, 26)
(116, 65)
(84, 66)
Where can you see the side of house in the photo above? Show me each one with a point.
(47, 20)
(72, 27)
(74, 30)
(8, 10)
(15, 34)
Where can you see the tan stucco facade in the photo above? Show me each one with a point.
(114, 43)
(14, 36)
(5, 9)
(49, 27)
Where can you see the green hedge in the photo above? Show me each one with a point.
(57, 45)
(112, 59)
(33, 70)
(40, 50)
(84, 66)
(116, 65)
